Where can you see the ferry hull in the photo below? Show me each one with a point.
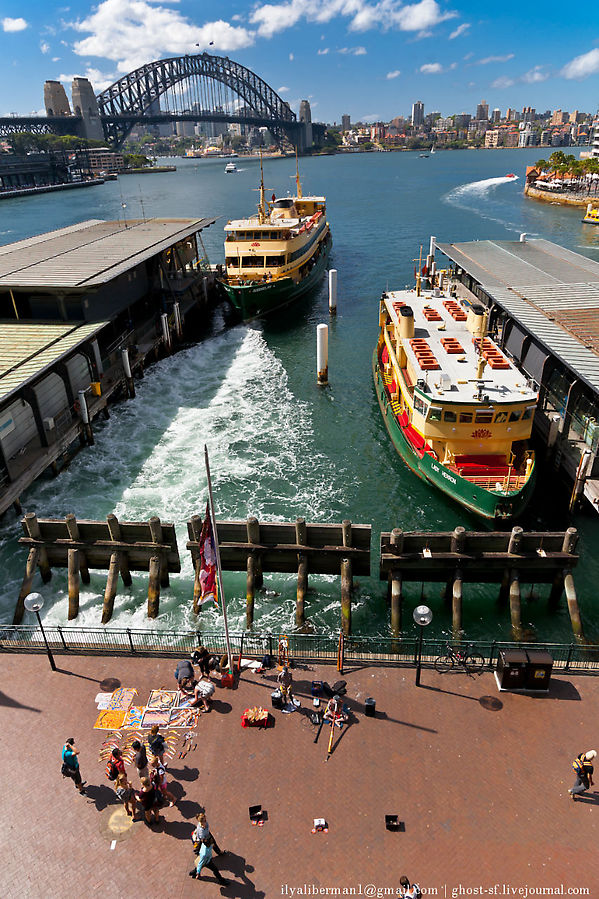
(253, 300)
(476, 499)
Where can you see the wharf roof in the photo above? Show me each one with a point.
(91, 253)
(455, 381)
(28, 349)
(552, 292)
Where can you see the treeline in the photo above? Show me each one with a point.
(23, 142)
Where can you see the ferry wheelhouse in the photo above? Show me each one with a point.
(278, 255)
(457, 410)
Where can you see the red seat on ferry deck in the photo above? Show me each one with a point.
(385, 355)
(480, 460)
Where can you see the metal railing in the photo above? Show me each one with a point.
(302, 647)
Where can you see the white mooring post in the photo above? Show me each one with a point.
(166, 334)
(322, 353)
(128, 375)
(333, 291)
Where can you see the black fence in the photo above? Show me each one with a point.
(302, 647)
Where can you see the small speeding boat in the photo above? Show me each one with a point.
(230, 167)
(592, 215)
(510, 175)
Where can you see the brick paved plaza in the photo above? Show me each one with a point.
(479, 778)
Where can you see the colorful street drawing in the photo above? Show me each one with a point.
(133, 716)
(109, 719)
(163, 699)
(185, 700)
(184, 717)
(122, 698)
(155, 716)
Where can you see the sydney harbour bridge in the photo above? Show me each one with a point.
(193, 88)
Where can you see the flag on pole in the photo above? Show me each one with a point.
(208, 579)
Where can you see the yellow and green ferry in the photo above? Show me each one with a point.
(278, 255)
(457, 410)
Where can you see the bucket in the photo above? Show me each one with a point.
(227, 680)
(276, 699)
(369, 707)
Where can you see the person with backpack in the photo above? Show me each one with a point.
(159, 780)
(124, 790)
(115, 765)
(70, 764)
(583, 768)
(156, 743)
(202, 832)
(408, 890)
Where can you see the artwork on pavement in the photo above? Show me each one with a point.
(184, 717)
(133, 716)
(122, 698)
(155, 716)
(162, 699)
(185, 700)
(110, 719)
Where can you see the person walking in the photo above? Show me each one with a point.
(583, 767)
(159, 780)
(156, 743)
(202, 832)
(124, 790)
(140, 759)
(70, 764)
(205, 861)
(148, 798)
(408, 890)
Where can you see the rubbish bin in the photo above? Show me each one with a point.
(370, 707)
(512, 669)
(538, 670)
(276, 699)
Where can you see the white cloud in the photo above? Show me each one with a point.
(353, 51)
(582, 66)
(99, 80)
(291, 57)
(391, 75)
(372, 117)
(535, 75)
(283, 90)
(14, 24)
(488, 59)
(56, 59)
(323, 52)
(461, 29)
(431, 68)
(44, 47)
(133, 32)
(502, 82)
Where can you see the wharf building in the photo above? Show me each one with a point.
(81, 308)
(543, 303)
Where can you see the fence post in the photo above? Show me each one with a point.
(130, 640)
(569, 659)
(59, 629)
(492, 653)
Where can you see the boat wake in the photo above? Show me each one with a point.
(474, 195)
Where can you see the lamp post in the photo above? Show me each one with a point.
(33, 603)
(422, 616)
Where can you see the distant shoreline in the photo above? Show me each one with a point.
(563, 199)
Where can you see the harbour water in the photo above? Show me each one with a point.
(279, 445)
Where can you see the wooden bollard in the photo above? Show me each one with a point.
(456, 605)
(114, 530)
(154, 587)
(253, 531)
(250, 592)
(156, 532)
(570, 540)
(458, 540)
(73, 582)
(557, 588)
(73, 529)
(111, 587)
(27, 584)
(396, 595)
(301, 539)
(573, 609)
(346, 591)
(196, 533)
(515, 606)
(33, 530)
(515, 538)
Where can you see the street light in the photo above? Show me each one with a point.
(33, 603)
(422, 616)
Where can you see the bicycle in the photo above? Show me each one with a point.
(472, 662)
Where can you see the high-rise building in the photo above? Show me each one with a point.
(345, 122)
(417, 113)
(595, 138)
(496, 116)
(462, 121)
(528, 114)
(558, 117)
(482, 111)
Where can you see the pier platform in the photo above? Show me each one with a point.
(479, 780)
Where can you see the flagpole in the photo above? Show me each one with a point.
(219, 572)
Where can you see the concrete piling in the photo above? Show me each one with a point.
(27, 584)
(515, 613)
(322, 354)
(333, 291)
(111, 587)
(129, 382)
(84, 412)
(302, 573)
(154, 587)
(73, 582)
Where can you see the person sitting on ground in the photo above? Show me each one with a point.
(203, 690)
(156, 743)
(285, 682)
(202, 832)
(158, 777)
(184, 674)
(148, 797)
(205, 861)
(408, 890)
(124, 790)
(334, 711)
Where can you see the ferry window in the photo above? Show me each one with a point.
(450, 416)
(434, 413)
(465, 418)
(275, 260)
(515, 415)
(500, 417)
(483, 418)
(528, 412)
(252, 261)
(231, 261)
(419, 405)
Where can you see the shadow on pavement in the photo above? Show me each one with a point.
(185, 773)
(233, 866)
(13, 704)
(101, 796)
(188, 808)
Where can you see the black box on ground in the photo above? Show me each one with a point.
(538, 670)
(512, 666)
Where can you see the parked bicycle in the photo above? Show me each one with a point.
(472, 662)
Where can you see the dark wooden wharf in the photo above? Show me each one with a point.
(460, 556)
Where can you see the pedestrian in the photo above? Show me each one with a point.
(203, 690)
(201, 658)
(202, 832)
(285, 682)
(118, 761)
(583, 767)
(140, 759)
(408, 890)
(124, 790)
(156, 743)
(184, 674)
(205, 861)
(70, 764)
(148, 798)
(159, 780)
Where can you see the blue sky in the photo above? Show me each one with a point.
(368, 58)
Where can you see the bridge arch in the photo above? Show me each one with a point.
(214, 86)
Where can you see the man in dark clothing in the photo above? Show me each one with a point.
(70, 764)
(184, 673)
(140, 759)
(583, 766)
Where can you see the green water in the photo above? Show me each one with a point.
(279, 445)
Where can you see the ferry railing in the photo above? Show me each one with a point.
(319, 648)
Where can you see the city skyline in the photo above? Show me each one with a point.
(371, 60)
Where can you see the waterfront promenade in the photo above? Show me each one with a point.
(479, 778)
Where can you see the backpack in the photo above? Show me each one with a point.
(578, 765)
(111, 771)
